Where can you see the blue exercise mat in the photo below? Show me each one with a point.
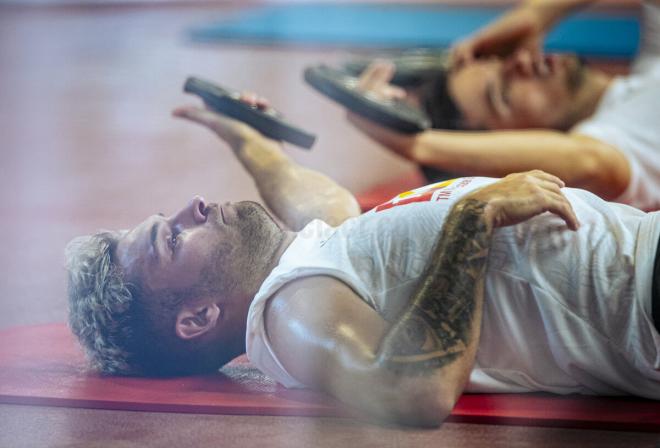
(399, 26)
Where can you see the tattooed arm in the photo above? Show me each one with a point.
(441, 326)
(414, 370)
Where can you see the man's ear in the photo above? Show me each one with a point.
(195, 320)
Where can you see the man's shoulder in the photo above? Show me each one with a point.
(310, 293)
(311, 321)
(289, 322)
(316, 303)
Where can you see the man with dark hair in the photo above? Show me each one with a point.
(438, 104)
(525, 110)
(435, 99)
(463, 285)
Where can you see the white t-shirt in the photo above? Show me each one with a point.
(564, 312)
(628, 117)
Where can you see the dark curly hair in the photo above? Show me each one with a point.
(444, 114)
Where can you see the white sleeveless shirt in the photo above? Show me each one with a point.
(564, 312)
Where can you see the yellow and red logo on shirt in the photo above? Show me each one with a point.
(430, 193)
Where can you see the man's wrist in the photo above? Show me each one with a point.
(482, 209)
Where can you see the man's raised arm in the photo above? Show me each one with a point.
(524, 26)
(295, 194)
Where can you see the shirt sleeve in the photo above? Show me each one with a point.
(258, 348)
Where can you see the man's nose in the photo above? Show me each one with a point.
(520, 63)
(192, 214)
(526, 64)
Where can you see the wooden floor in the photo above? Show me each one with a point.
(87, 142)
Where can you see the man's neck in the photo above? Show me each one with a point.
(287, 238)
(285, 241)
(280, 247)
(589, 95)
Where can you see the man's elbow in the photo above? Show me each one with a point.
(605, 171)
(338, 207)
(426, 406)
(430, 412)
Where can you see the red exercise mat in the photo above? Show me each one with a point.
(384, 192)
(42, 365)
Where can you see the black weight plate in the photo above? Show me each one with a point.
(342, 88)
(267, 121)
(412, 67)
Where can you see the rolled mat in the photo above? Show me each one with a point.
(593, 34)
(43, 365)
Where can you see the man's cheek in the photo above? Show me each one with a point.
(531, 105)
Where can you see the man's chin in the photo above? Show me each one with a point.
(576, 68)
(249, 208)
(251, 211)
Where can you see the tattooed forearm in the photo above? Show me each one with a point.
(436, 328)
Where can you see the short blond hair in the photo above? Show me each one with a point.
(124, 328)
(99, 302)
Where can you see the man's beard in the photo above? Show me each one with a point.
(576, 74)
(260, 234)
(239, 263)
